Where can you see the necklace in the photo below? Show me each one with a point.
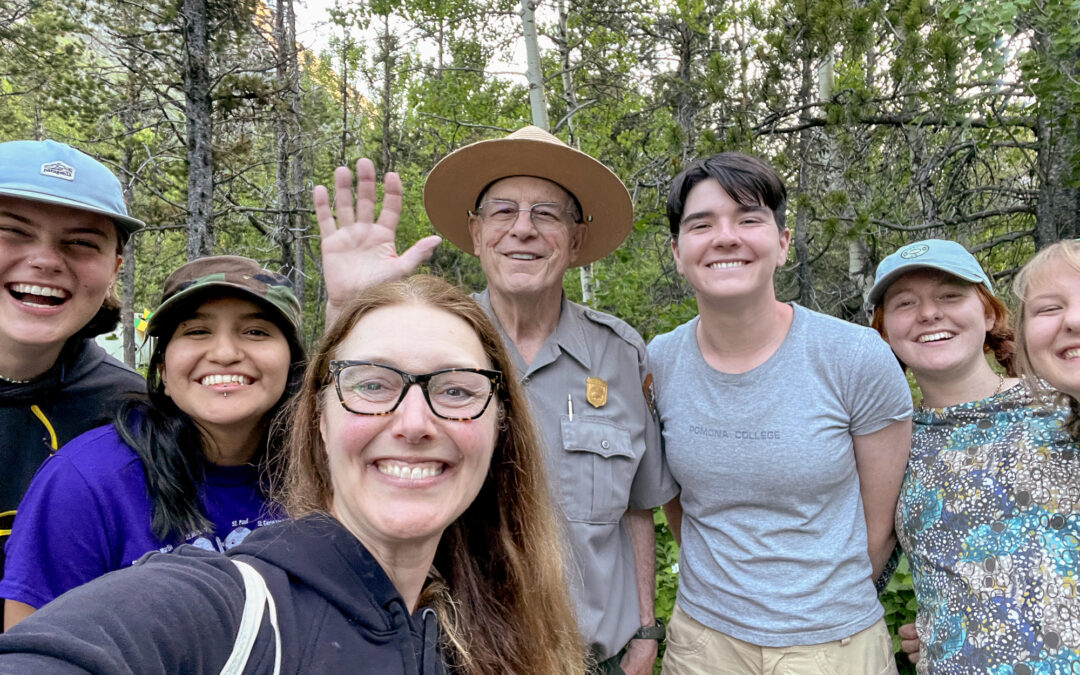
(12, 380)
(1001, 384)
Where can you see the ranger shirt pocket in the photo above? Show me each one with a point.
(596, 469)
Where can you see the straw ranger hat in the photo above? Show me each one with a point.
(454, 184)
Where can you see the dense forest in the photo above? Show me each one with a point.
(890, 121)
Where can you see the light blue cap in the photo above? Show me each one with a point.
(937, 254)
(54, 173)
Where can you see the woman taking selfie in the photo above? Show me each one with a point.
(424, 539)
(984, 512)
(181, 466)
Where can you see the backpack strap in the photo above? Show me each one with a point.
(257, 598)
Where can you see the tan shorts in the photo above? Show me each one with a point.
(694, 649)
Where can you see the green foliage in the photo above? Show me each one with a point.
(898, 599)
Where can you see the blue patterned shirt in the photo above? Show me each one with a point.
(989, 516)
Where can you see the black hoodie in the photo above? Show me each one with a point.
(81, 391)
(179, 613)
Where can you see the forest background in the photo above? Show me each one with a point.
(890, 121)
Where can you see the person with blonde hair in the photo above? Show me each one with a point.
(424, 541)
(1048, 321)
(987, 514)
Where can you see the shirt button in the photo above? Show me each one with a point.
(605, 445)
(525, 381)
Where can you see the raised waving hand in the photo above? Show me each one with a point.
(358, 250)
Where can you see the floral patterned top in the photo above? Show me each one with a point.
(989, 516)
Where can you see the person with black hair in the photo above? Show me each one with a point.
(183, 465)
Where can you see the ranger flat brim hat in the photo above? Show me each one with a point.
(455, 183)
(55, 173)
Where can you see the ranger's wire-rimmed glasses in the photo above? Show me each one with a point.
(503, 213)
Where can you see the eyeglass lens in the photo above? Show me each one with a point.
(376, 390)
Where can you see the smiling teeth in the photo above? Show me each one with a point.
(523, 256)
(47, 291)
(1071, 353)
(932, 337)
(726, 265)
(211, 380)
(412, 472)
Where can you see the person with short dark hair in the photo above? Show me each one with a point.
(787, 431)
(186, 463)
(63, 225)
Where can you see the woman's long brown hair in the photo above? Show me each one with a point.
(502, 602)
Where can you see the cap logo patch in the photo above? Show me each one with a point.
(58, 170)
(914, 251)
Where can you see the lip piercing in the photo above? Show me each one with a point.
(225, 394)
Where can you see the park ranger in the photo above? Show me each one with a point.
(530, 207)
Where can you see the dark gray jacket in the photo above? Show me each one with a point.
(179, 612)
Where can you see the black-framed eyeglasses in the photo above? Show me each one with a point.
(503, 213)
(369, 388)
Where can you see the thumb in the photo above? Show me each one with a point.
(419, 252)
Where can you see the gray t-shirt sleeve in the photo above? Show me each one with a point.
(878, 393)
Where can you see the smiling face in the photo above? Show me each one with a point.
(521, 259)
(226, 365)
(727, 251)
(56, 267)
(1052, 325)
(936, 323)
(402, 478)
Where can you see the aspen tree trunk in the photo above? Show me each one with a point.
(197, 109)
(535, 73)
(588, 282)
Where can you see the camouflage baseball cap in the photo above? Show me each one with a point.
(219, 274)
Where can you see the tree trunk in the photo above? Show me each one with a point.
(388, 48)
(535, 71)
(197, 109)
(802, 215)
(127, 272)
(585, 272)
(287, 226)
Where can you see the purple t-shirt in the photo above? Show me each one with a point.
(87, 513)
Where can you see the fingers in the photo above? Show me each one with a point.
(323, 214)
(907, 632)
(343, 203)
(391, 204)
(365, 191)
(365, 199)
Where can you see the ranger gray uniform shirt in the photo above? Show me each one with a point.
(603, 462)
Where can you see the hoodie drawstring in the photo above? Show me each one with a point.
(399, 619)
(430, 655)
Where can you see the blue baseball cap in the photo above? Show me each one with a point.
(937, 254)
(54, 173)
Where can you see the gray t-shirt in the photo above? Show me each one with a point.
(773, 534)
(603, 461)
